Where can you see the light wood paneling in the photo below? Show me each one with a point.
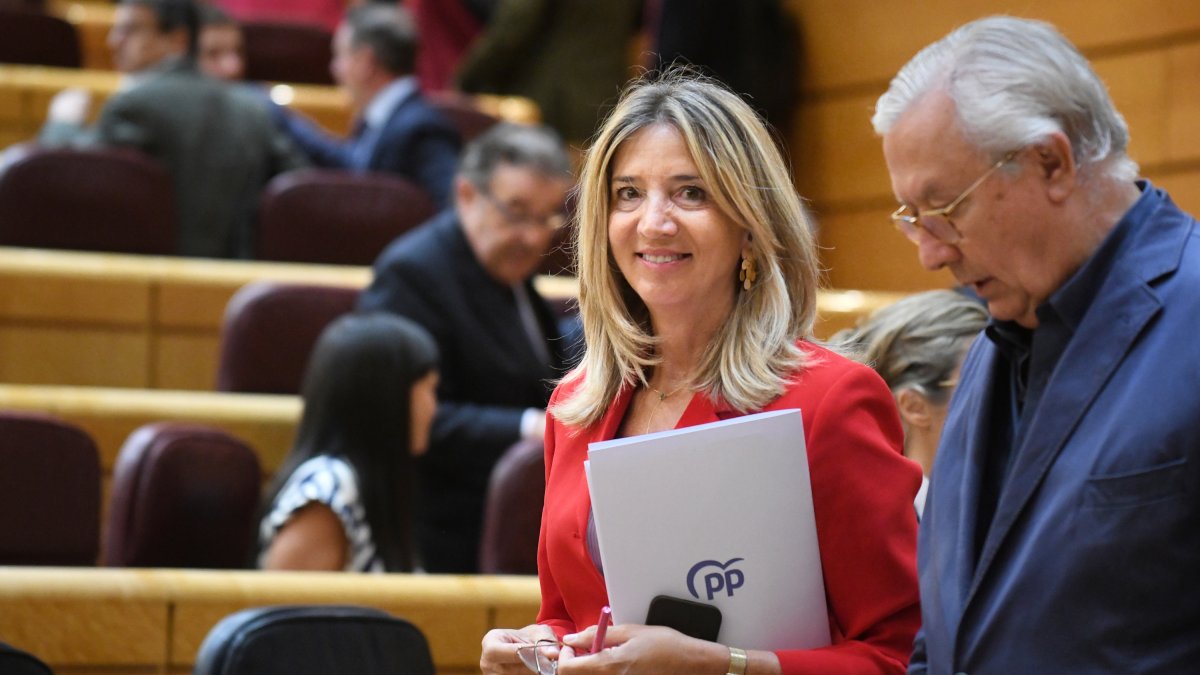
(864, 247)
(1183, 115)
(106, 355)
(108, 621)
(860, 43)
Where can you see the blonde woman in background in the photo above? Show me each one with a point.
(917, 345)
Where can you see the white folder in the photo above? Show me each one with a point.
(718, 513)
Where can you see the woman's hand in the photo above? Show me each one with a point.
(500, 648)
(635, 649)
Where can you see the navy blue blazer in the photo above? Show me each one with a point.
(1092, 563)
(417, 142)
(489, 375)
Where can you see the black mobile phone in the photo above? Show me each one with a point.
(689, 617)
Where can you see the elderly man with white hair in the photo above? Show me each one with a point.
(1062, 528)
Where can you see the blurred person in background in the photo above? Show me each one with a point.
(217, 142)
(917, 346)
(343, 497)
(397, 131)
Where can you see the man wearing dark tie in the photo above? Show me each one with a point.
(374, 52)
(466, 277)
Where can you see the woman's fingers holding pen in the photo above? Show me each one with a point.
(642, 649)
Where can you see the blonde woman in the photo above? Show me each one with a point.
(698, 278)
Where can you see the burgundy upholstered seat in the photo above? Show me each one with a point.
(269, 332)
(49, 492)
(30, 36)
(463, 112)
(115, 200)
(512, 515)
(336, 217)
(183, 495)
(278, 51)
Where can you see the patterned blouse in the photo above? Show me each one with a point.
(332, 482)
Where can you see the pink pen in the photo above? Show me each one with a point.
(601, 629)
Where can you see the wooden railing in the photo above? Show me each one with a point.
(107, 320)
(126, 621)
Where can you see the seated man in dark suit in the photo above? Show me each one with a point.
(218, 143)
(374, 52)
(466, 277)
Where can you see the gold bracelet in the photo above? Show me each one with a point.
(737, 661)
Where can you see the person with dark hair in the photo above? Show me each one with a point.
(220, 47)
(217, 142)
(343, 497)
(374, 56)
(917, 346)
(467, 277)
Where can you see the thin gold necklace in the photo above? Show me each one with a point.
(657, 404)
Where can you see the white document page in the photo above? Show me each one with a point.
(718, 513)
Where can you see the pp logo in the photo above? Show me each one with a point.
(720, 577)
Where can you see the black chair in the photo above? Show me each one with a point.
(313, 640)
(13, 661)
(28, 36)
(96, 199)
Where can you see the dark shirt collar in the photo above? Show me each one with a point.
(1071, 301)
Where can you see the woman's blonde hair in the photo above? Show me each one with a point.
(916, 342)
(754, 354)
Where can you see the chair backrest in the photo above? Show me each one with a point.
(49, 492)
(269, 332)
(278, 51)
(32, 37)
(313, 640)
(463, 112)
(336, 217)
(183, 495)
(512, 515)
(115, 200)
(14, 661)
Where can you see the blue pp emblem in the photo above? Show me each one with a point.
(720, 577)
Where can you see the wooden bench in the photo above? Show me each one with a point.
(126, 621)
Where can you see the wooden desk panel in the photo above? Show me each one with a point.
(26, 91)
(124, 621)
(860, 43)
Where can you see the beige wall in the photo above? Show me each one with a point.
(1148, 52)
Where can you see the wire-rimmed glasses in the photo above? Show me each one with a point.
(937, 221)
(547, 223)
(536, 657)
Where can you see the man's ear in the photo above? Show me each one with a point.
(465, 192)
(1056, 164)
(914, 408)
